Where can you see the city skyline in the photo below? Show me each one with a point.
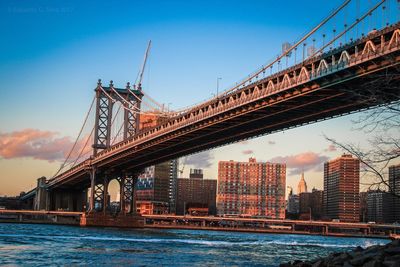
(50, 70)
(200, 133)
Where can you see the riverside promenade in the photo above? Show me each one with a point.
(237, 224)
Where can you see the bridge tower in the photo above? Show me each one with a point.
(130, 99)
(105, 99)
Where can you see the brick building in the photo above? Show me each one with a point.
(196, 195)
(251, 188)
(342, 189)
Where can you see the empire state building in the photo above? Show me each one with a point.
(302, 186)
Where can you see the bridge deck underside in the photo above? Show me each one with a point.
(344, 92)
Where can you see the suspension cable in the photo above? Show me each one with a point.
(130, 110)
(83, 148)
(250, 77)
(352, 26)
(77, 138)
(123, 99)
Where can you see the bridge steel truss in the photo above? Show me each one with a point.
(100, 194)
(104, 107)
(356, 76)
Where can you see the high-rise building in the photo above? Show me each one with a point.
(363, 207)
(305, 205)
(302, 186)
(156, 189)
(394, 190)
(196, 195)
(251, 188)
(293, 205)
(172, 185)
(378, 206)
(342, 189)
(311, 204)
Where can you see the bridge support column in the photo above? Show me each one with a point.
(92, 189)
(40, 202)
(128, 201)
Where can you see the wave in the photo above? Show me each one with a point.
(194, 241)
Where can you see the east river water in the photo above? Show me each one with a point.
(39, 245)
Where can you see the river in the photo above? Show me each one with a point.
(38, 245)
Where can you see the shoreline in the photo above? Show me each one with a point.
(218, 229)
(211, 223)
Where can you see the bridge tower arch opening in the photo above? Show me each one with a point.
(114, 196)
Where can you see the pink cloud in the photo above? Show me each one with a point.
(37, 144)
(302, 162)
(331, 148)
(247, 152)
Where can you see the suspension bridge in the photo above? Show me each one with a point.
(349, 62)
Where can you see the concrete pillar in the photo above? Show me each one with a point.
(92, 185)
(41, 195)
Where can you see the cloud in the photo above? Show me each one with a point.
(37, 144)
(201, 160)
(302, 162)
(271, 142)
(331, 148)
(247, 152)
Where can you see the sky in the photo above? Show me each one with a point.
(53, 52)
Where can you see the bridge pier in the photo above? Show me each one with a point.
(40, 201)
(99, 212)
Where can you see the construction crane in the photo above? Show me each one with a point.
(139, 83)
(154, 104)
